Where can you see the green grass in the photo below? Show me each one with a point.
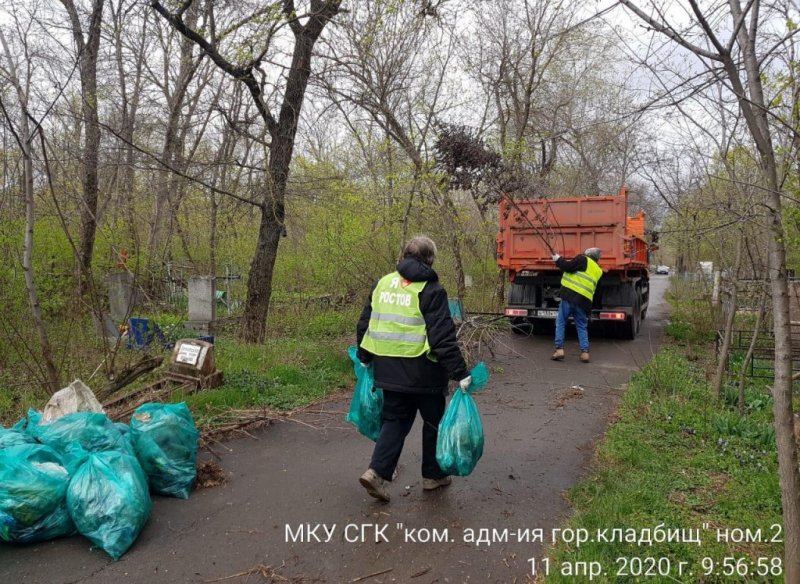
(285, 374)
(304, 360)
(676, 458)
(692, 318)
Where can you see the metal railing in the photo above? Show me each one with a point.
(762, 365)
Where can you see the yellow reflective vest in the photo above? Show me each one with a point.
(584, 283)
(396, 325)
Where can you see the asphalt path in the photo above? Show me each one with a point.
(295, 482)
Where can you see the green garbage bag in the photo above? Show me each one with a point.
(11, 437)
(367, 402)
(127, 437)
(459, 445)
(76, 435)
(57, 524)
(33, 486)
(109, 501)
(165, 440)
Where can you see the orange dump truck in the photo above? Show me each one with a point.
(532, 230)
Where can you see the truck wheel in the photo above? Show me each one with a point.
(631, 327)
(644, 312)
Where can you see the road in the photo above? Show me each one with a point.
(541, 418)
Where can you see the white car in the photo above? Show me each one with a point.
(664, 270)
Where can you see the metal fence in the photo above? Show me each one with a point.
(762, 365)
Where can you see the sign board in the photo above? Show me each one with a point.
(188, 354)
(194, 359)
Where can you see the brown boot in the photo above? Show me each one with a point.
(558, 355)
(374, 485)
(433, 484)
(584, 356)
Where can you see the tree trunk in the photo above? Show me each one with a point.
(782, 394)
(722, 359)
(88, 50)
(789, 473)
(259, 282)
(212, 236)
(451, 224)
(53, 377)
(752, 105)
(128, 107)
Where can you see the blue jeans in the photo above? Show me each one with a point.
(581, 324)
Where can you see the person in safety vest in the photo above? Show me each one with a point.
(406, 333)
(578, 284)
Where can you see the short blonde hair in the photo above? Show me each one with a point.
(420, 247)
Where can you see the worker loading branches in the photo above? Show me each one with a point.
(578, 284)
(535, 233)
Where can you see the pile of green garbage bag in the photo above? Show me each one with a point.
(84, 473)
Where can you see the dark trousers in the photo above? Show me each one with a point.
(399, 411)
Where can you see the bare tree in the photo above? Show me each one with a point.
(739, 61)
(131, 86)
(176, 95)
(381, 62)
(560, 111)
(282, 130)
(24, 136)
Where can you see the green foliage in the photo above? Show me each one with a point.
(297, 322)
(330, 324)
(339, 244)
(756, 399)
(667, 375)
(673, 458)
(754, 432)
(52, 267)
(15, 399)
(692, 319)
(290, 373)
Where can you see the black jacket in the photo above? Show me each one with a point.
(419, 374)
(576, 264)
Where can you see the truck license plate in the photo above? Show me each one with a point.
(547, 313)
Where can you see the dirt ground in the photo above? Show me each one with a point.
(541, 420)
